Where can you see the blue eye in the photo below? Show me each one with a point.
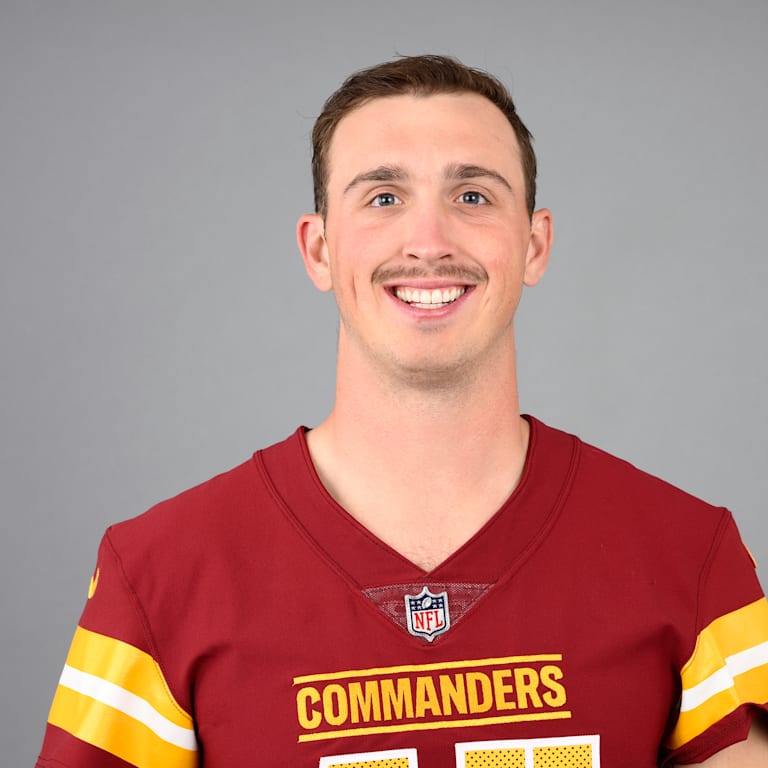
(384, 200)
(472, 198)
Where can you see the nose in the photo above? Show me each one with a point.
(427, 234)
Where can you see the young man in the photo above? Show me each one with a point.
(426, 578)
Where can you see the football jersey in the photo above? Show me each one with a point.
(600, 617)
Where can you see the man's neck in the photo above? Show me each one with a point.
(422, 464)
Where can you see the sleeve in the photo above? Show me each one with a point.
(113, 707)
(724, 682)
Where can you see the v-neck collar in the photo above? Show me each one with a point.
(501, 545)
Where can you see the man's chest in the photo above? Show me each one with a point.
(313, 677)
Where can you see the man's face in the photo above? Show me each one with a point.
(427, 240)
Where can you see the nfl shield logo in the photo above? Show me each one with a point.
(427, 614)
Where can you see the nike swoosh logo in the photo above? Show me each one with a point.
(92, 585)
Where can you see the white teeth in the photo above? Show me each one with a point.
(436, 297)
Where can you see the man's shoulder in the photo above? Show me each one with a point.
(207, 509)
(218, 493)
(617, 482)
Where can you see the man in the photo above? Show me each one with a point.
(426, 578)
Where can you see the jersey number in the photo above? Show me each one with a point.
(563, 752)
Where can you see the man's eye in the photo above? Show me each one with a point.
(384, 199)
(472, 198)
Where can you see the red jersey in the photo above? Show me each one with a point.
(600, 617)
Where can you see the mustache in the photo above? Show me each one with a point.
(451, 271)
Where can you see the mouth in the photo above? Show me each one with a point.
(429, 298)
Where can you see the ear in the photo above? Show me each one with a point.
(310, 235)
(539, 246)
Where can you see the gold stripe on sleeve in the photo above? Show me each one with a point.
(114, 696)
(126, 666)
(728, 668)
(114, 731)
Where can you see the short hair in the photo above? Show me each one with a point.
(425, 75)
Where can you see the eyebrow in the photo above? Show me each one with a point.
(381, 173)
(475, 172)
(384, 173)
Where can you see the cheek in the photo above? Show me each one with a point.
(356, 254)
(348, 274)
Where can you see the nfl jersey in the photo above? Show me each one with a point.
(600, 617)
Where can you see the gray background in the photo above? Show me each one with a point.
(156, 325)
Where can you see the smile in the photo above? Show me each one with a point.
(430, 298)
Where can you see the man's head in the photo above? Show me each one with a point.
(427, 239)
(418, 76)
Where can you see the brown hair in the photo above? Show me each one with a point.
(422, 76)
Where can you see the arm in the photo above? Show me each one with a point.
(725, 680)
(113, 707)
